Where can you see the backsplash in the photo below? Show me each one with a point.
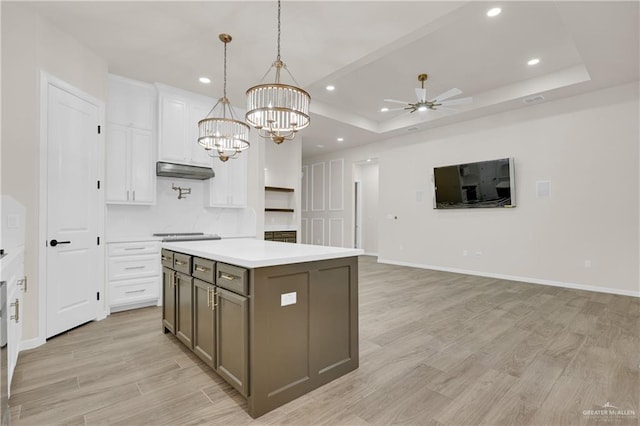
(173, 215)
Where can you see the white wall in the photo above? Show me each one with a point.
(31, 44)
(586, 146)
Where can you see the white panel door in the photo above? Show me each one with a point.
(73, 256)
(117, 185)
(173, 116)
(142, 165)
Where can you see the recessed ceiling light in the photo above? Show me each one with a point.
(384, 109)
(205, 80)
(494, 12)
(534, 61)
(368, 160)
(340, 139)
(320, 146)
(330, 88)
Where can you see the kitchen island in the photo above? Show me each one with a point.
(275, 320)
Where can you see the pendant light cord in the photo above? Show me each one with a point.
(224, 90)
(278, 57)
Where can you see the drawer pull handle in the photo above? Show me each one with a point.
(16, 316)
(165, 258)
(202, 269)
(180, 263)
(134, 248)
(135, 291)
(135, 267)
(227, 276)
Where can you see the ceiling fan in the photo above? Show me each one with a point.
(439, 103)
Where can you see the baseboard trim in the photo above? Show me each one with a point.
(25, 345)
(529, 280)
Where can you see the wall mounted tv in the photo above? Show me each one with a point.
(475, 185)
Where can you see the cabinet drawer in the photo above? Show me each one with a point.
(127, 249)
(182, 263)
(268, 236)
(204, 269)
(125, 267)
(167, 258)
(232, 278)
(133, 291)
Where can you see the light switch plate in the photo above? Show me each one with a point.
(287, 299)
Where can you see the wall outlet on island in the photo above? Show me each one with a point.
(287, 299)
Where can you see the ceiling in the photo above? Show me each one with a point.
(369, 50)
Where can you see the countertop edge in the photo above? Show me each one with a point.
(246, 263)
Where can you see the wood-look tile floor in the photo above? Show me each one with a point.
(436, 348)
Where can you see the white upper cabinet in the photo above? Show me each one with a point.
(130, 142)
(180, 112)
(131, 103)
(229, 186)
(130, 165)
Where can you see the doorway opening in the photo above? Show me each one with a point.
(365, 206)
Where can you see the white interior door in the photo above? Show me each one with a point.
(72, 256)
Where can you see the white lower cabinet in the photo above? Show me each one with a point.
(134, 274)
(13, 278)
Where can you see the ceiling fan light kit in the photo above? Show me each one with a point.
(278, 111)
(439, 102)
(222, 135)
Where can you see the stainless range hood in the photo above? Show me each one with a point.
(183, 171)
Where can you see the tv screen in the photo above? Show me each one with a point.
(475, 185)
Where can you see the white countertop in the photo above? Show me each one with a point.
(252, 253)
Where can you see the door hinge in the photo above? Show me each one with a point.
(98, 129)
(98, 296)
(98, 184)
(98, 239)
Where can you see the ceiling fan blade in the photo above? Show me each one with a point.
(421, 94)
(446, 95)
(397, 101)
(459, 101)
(395, 109)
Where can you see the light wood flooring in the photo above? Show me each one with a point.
(436, 348)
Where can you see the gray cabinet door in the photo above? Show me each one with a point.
(204, 322)
(184, 308)
(169, 301)
(232, 349)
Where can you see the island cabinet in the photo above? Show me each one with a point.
(275, 320)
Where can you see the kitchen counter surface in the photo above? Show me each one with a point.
(252, 253)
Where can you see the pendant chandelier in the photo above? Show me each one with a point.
(278, 110)
(220, 133)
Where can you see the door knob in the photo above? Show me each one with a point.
(54, 243)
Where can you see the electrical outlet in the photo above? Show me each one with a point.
(465, 252)
(287, 299)
(587, 263)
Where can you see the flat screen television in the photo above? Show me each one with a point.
(475, 185)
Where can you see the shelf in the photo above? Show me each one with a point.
(278, 189)
(268, 209)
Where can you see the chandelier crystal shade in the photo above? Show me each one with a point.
(220, 133)
(278, 110)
